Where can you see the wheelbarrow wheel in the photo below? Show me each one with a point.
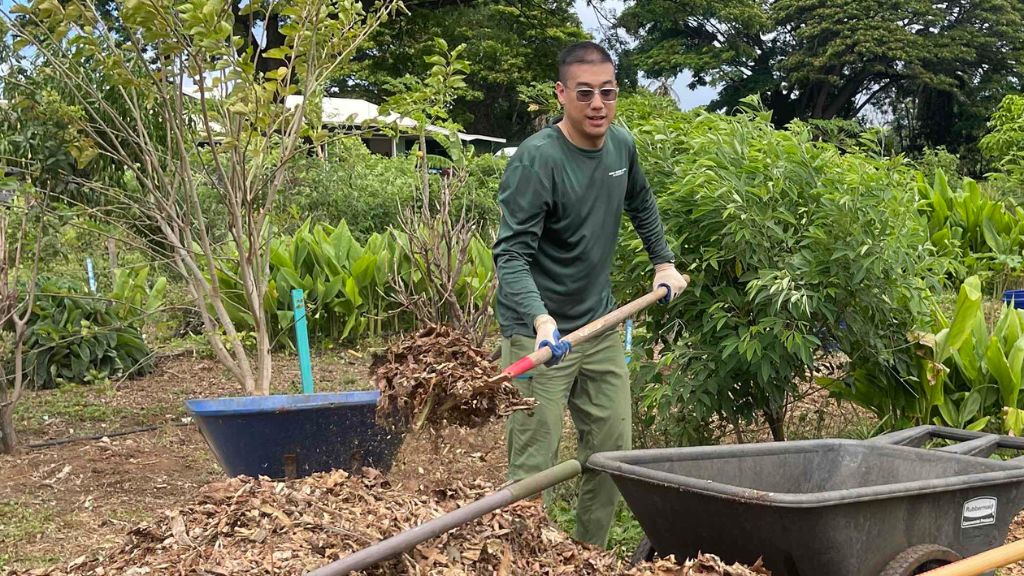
(644, 552)
(919, 559)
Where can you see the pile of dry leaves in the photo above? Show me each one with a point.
(437, 376)
(703, 565)
(249, 526)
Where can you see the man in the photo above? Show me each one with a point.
(562, 199)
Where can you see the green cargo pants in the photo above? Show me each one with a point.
(593, 380)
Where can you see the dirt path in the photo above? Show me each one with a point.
(61, 502)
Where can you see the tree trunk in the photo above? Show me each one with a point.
(844, 95)
(819, 102)
(263, 357)
(112, 255)
(9, 396)
(776, 422)
(426, 174)
(8, 437)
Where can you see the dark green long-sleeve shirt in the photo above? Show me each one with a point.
(561, 209)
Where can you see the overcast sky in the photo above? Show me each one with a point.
(687, 98)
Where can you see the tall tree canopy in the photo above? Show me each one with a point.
(832, 58)
(509, 44)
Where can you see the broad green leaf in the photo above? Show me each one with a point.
(970, 407)
(277, 74)
(949, 412)
(992, 236)
(968, 307)
(979, 424)
(363, 269)
(966, 359)
(156, 295)
(279, 52)
(1008, 328)
(1009, 386)
(333, 287)
(1016, 362)
(1014, 421)
(291, 279)
(142, 276)
(352, 291)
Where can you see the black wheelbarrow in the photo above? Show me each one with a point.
(879, 507)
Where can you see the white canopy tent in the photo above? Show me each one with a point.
(363, 117)
(358, 113)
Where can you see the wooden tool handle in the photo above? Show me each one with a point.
(613, 318)
(981, 563)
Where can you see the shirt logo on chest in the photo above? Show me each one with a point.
(619, 172)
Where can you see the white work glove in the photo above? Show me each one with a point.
(548, 335)
(665, 274)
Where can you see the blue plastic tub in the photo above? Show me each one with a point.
(1014, 298)
(291, 436)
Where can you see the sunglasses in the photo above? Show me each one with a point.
(587, 94)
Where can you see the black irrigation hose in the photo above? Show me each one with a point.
(49, 443)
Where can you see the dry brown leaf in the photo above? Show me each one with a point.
(285, 521)
(437, 375)
(179, 532)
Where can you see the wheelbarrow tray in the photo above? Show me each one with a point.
(295, 435)
(815, 507)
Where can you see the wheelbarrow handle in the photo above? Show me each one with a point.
(971, 443)
(613, 318)
(408, 539)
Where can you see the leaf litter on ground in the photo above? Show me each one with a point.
(257, 526)
(438, 377)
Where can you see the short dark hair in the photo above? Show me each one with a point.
(585, 52)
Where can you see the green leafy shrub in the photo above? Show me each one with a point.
(982, 234)
(787, 242)
(963, 372)
(366, 190)
(641, 107)
(370, 191)
(934, 160)
(1004, 144)
(77, 338)
(133, 297)
(347, 286)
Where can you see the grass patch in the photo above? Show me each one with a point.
(129, 515)
(623, 537)
(346, 383)
(71, 403)
(19, 522)
(27, 561)
(194, 343)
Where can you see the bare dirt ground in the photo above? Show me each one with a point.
(60, 502)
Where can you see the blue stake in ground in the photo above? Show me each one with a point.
(302, 340)
(92, 276)
(629, 340)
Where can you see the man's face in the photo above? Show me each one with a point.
(584, 82)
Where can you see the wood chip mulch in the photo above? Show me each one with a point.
(257, 526)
